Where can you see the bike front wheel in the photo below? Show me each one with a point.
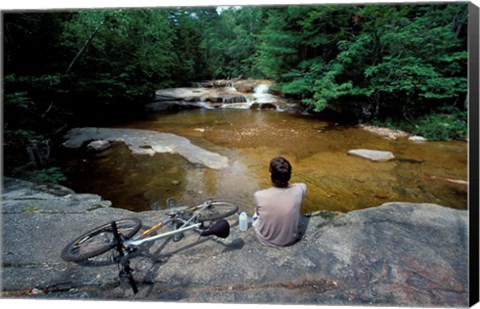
(99, 240)
(217, 210)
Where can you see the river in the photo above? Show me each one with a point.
(423, 172)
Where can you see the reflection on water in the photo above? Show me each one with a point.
(429, 172)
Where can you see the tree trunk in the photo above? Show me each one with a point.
(376, 99)
(84, 46)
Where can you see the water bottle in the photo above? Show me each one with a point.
(243, 221)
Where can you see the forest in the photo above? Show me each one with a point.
(394, 65)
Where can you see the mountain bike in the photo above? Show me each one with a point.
(119, 235)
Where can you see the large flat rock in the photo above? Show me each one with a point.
(397, 254)
(372, 155)
(147, 142)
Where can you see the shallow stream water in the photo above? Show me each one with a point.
(426, 172)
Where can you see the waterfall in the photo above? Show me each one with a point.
(234, 99)
(261, 94)
(255, 100)
(202, 103)
(261, 89)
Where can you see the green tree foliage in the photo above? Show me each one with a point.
(229, 42)
(278, 44)
(121, 54)
(187, 38)
(403, 60)
(419, 61)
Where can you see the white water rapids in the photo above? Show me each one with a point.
(260, 95)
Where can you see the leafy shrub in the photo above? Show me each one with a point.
(49, 175)
(446, 123)
(442, 126)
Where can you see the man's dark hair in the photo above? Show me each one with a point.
(280, 172)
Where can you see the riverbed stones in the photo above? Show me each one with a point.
(372, 155)
(148, 142)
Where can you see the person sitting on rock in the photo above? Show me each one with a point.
(277, 209)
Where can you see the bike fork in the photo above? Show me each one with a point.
(126, 272)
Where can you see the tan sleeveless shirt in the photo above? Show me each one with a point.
(278, 211)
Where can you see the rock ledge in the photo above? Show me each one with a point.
(147, 142)
(397, 254)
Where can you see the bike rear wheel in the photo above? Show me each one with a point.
(99, 240)
(217, 210)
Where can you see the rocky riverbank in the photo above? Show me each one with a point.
(397, 254)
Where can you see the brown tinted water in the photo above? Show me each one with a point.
(430, 172)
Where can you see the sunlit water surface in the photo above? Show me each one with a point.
(317, 150)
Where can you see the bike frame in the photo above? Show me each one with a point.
(186, 226)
